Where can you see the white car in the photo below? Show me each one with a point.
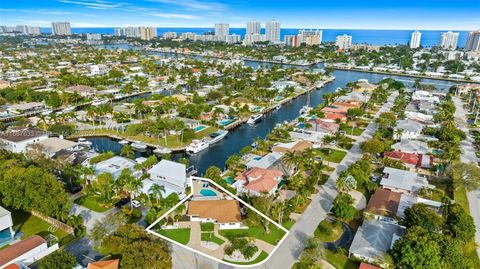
(136, 203)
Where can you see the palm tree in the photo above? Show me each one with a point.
(132, 186)
(127, 151)
(156, 191)
(398, 133)
(291, 160)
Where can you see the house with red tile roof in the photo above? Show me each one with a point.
(257, 181)
(108, 264)
(26, 251)
(411, 160)
(322, 125)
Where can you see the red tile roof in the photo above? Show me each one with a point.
(367, 266)
(384, 203)
(109, 264)
(20, 248)
(407, 158)
(260, 179)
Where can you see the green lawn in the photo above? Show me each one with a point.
(211, 237)
(331, 155)
(91, 202)
(288, 224)
(206, 227)
(329, 231)
(263, 255)
(357, 131)
(272, 237)
(30, 225)
(172, 141)
(340, 260)
(182, 235)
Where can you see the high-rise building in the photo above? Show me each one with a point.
(292, 40)
(232, 39)
(222, 29)
(170, 35)
(61, 28)
(310, 37)
(473, 41)
(34, 30)
(23, 29)
(449, 40)
(147, 33)
(253, 27)
(415, 39)
(272, 31)
(343, 42)
(94, 37)
(187, 35)
(250, 39)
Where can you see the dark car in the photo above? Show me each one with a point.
(75, 189)
(122, 202)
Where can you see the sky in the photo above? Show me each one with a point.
(316, 14)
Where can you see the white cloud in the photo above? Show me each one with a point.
(96, 4)
(174, 16)
(46, 12)
(195, 4)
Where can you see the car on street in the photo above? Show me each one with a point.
(136, 203)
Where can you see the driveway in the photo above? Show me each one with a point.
(468, 155)
(291, 248)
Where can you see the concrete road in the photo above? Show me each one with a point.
(468, 156)
(291, 248)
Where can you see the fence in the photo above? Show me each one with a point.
(54, 222)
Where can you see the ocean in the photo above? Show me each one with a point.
(373, 37)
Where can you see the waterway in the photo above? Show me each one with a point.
(245, 134)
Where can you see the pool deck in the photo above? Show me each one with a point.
(197, 186)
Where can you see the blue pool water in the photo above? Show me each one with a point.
(257, 158)
(225, 122)
(5, 236)
(206, 192)
(229, 180)
(199, 128)
(301, 125)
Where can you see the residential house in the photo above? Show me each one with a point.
(266, 161)
(295, 146)
(411, 146)
(420, 117)
(403, 181)
(328, 126)
(367, 266)
(171, 175)
(107, 264)
(373, 239)
(17, 139)
(115, 166)
(410, 129)
(364, 86)
(256, 181)
(425, 96)
(26, 251)
(410, 160)
(224, 212)
(383, 204)
(54, 145)
(26, 108)
(6, 224)
(82, 90)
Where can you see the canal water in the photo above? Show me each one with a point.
(245, 134)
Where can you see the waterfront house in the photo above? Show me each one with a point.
(373, 239)
(326, 125)
(295, 146)
(53, 145)
(115, 166)
(17, 139)
(364, 86)
(171, 175)
(425, 96)
(26, 108)
(411, 129)
(266, 161)
(226, 213)
(256, 181)
(403, 181)
(26, 251)
(82, 90)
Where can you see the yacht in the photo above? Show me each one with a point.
(138, 145)
(161, 151)
(68, 109)
(196, 146)
(124, 142)
(83, 141)
(217, 136)
(277, 107)
(306, 108)
(254, 119)
(47, 112)
(98, 102)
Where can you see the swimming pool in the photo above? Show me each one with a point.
(301, 125)
(199, 128)
(257, 158)
(229, 180)
(207, 192)
(225, 122)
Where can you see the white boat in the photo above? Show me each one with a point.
(138, 145)
(217, 136)
(83, 141)
(68, 109)
(277, 107)
(124, 142)
(47, 112)
(305, 110)
(196, 146)
(254, 119)
(161, 151)
(98, 102)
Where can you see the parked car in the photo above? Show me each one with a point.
(136, 203)
(333, 143)
(76, 189)
(122, 202)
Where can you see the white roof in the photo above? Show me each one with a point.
(55, 144)
(402, 179)
(266, 161)
(4, 212)
(171, 171)
(114, 166)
